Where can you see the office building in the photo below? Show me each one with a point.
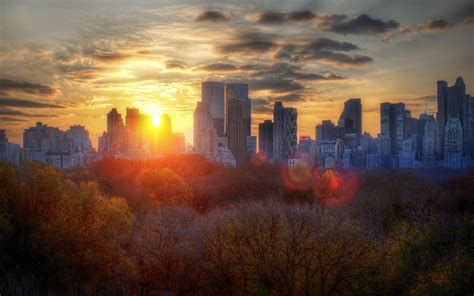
(265, 139)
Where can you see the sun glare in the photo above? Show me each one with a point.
(156, 119)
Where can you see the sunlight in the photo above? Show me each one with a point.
(156, 119)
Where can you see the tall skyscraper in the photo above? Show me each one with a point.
(136, 126)
(452, 102)
(265, 138)
(238, 119)
(351, 120)
(453, 143)
(429, 142)
(205, 135)
(441, 114)
(212, 95)
(285, 128)
(392, 124)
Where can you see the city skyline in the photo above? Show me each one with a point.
(71, 63)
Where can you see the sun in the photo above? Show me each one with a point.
(156, 119)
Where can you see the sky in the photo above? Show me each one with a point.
(65, 62)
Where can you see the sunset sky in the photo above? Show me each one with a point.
(67, 62)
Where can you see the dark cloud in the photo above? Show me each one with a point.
(272, 17)
(252, 67)
(261, 106)
(285, 70)
(218, 67)
(284, 17)
(303, 15)
(295, 97)
(175, 65)
(326, 50)
(7, 85)
(249, 42)
(342, 59)
(110, 55)
(276, 85)
(363, 24)
(212, 16)
(327, 21)
(436, 25)
(17, 113)
(11, 119)
(23, 103)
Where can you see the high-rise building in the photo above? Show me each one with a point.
(205, 135)
(47, 139)
(326, 131)
(9, 152)
(453, 143)
(114, 142)
(212, 95)
(452, 102)
(238, 119)
(137, 126)
(429, 142)
(351, 120)
(392, 124)
(285, 128)
(265, 139)
(80, 138)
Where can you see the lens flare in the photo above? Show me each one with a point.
(297, 176)
(335, 189)
(258, 159)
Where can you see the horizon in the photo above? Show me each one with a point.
(155, 122)
(72, 63)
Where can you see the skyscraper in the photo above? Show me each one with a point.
(326, 131)
(429, 142)
(265, 138)
(351, 120)
(238, 119)
(115, 138)
(285, 127)
(392, 124)
(451, 103)
(205, 135)
(212, 95)
(453, 143)
(441, 114)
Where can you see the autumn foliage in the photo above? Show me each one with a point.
(183, 226)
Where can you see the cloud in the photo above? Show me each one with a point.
(11, 119)
(261, 106)
(17, 113)
(288, 98)
(436, 25)
(217, 67)
(23, 103)
(175, 65)
(326, 50)
(277, 18)
(303, 15)
(286, 70)
(212, 16)
(110, 55)
(363, 24)
(249, 42)
(272, 18)
(276, 84)
(7, 85)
